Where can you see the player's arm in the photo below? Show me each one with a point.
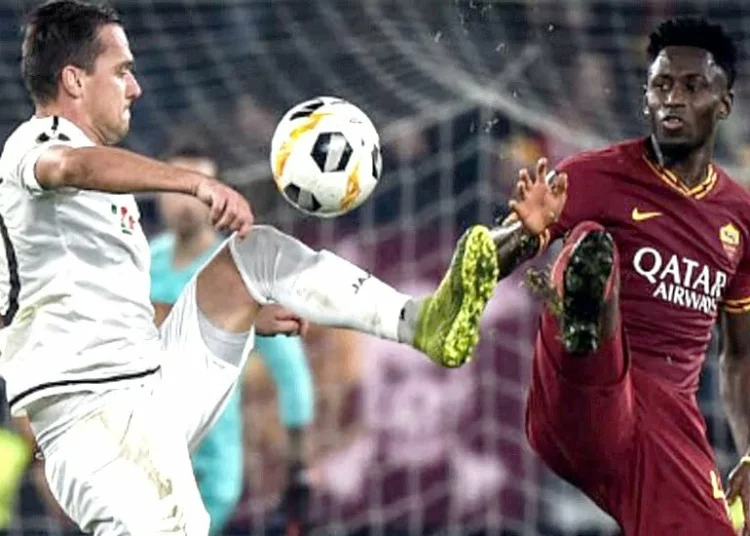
(735, 375)
(110, 169)
(735, 379)
(537, 205)
(735, 389)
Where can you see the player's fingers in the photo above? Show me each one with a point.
(218, 205)
(528, 184)
(733, 486)
(517, 208)
(560, 184)
(244, 231)
(732, 490)
(280, 313)
(229, 218)
(288, 327)
(304, 325)
(541, 169)
(521, 191)
(243, 216)
(247, 215)
(527, 180)
(226, 220)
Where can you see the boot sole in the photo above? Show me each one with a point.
(584, 285)
(474, 275)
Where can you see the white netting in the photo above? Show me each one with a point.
(463, 92)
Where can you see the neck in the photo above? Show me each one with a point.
(189, 247)
(689, 165)
(73, 115)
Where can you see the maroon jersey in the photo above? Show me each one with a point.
(684, 252)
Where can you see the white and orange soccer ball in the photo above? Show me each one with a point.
(325, 156)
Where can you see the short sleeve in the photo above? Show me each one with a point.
(737, 296)
(32, 140)
(26, 166)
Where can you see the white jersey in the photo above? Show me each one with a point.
(74, 277)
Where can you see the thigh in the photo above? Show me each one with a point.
(199, 384)
(672, 485)
(125, 470)
(580, 426)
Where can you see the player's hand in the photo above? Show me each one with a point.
(537, 204)
(273, 319)
(738, 487)
(230, 211)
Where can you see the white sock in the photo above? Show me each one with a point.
(317, 285)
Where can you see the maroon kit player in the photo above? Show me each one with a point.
(657, 249)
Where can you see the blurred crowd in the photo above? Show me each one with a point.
(398, 446)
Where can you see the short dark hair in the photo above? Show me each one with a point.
(60, 33)
(187, 145)
(190, 143)
(698, 33)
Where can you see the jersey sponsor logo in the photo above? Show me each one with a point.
(729, 236)
(127, 221)
(637, 215)
(681, 281)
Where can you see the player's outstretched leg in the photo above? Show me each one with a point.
(585, 280)
(580, 413)
(447, 326)
(329, 290)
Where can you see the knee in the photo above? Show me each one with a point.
(265, 236)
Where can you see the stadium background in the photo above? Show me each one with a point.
(464, 92)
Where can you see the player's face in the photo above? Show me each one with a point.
(686, 96)
(182, 214)
(111, 89)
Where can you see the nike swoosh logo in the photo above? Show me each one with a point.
(637, 215)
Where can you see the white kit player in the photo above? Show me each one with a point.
(115, 403)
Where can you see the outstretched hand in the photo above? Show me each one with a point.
(273, 319)
(230, 211)
(538, 204)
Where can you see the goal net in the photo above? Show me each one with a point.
(463, 92)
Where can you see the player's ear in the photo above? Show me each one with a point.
(644, 103)
(71, 80)
(726, 103)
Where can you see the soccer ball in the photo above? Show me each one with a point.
(325, 157)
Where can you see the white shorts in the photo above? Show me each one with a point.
(118, 462)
